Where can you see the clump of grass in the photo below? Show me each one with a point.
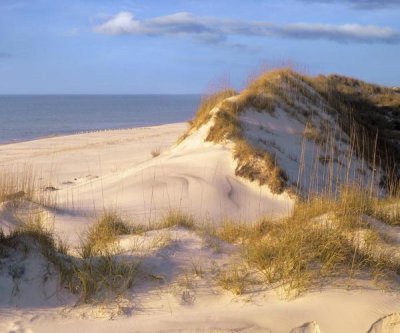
(156, 152)
(300, 251)
(30, 233)
(177, 218)
(389, 216)
(237, 279)
(23, 184)
(292, 253)
(197, 268)
(208, 103)
(100, 273)
(103, 277)
(233, 232)
(312, 133)
(101, 233)
(226, 124)
(17, 185)
(386, 210)
(258, 165)
(33, 226)
(95, 278)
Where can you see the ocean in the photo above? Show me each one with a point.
(24, 117)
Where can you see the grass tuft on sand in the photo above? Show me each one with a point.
(97, 277)
(178, 218)
(105, 230)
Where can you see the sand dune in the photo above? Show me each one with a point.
(115, 169)
(142, 174)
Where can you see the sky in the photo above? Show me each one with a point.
(193, 46)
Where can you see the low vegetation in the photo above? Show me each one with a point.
(237, 279)
(324, 239)
(178, 218)
(103, 278)
(156, 152)
(359, 108)
(22, 184)
(19, 185)
(258, 165)
(105, 230)
(94, 278)
(208, 103)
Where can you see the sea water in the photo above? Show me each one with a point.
(24, 117)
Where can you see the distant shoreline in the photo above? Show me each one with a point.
(51, 136)
(32, 117)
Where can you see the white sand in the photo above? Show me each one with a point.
(183, 302)
(115, 169)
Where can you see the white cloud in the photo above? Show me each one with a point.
(216, 30)
(179, 24)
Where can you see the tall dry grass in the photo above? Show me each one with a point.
(326, 240)
(17, 184)
(24, 184)
(104, 231)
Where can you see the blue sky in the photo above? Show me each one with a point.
(176, 46)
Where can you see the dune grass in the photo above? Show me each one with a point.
(203, 113)
(105, 230)
(298, 94)
(324, 239)
(156, 152)
(258, 165)
(22, 183)
(265, 93)
(208, 103)
(175, 217)
(237, 279)
(103, 278)
(97, 277)
(17, 185)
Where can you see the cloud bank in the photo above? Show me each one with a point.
(362, 4)
(214, 30)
